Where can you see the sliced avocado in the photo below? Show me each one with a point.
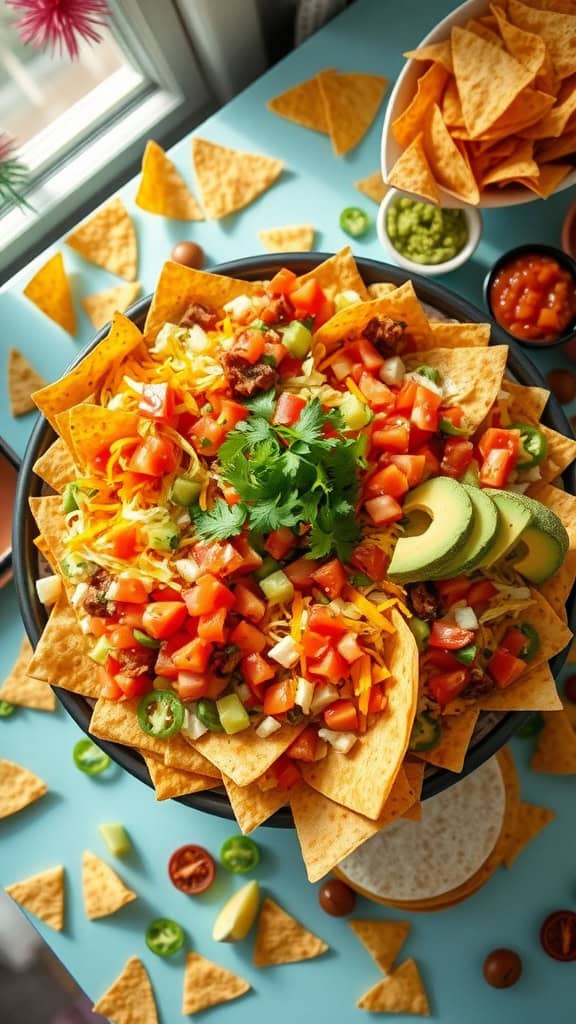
(513, 518)
(449, 510)
(543, 544)
(482, 536)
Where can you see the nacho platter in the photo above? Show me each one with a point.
(494, 728)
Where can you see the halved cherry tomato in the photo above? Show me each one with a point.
(326, 622)
(192, 685)
(341, 716)
(280, 697)
(192, 869)
(424, 413)
(207, 595)
(331, 578)
(279, 542)
(256, 670)
(193, 656)
(283, 282)
(248, 604)
(446, 686)
(389, 480)
(288, 409)
(303, 748)
(156, 456)
(162, 619)
(449, 636)
(383, 509)
(458, 454)
(212, 626)
(504, 668)
(157, 402)
(300, 572)
(248, 638)
(131, 591)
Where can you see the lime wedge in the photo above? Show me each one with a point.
(237, 915)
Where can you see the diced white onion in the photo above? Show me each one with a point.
(519, 593)
(197, 340)
(349, 297)
(48, 589)
(324, 695)
(392, 371)
(85, 625)
(79, 595)
(533, 474)
(466, 618)
(346, 608)
(285, 652)
(342, 742)
(188, 569)
(425, 382)
(238, 307)
(304, 694)
(192, 726)
(267, 726)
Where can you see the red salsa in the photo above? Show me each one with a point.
(534, 298)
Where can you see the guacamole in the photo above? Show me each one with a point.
(425, 233)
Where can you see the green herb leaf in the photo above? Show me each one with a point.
(263, 404)
(220, 522)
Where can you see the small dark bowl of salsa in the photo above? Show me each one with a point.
(531, 293)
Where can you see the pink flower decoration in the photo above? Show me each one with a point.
(58, 24)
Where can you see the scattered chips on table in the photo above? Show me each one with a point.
(18, 788)
(555, 752)
(372, 186)
(292, 238)
(229, 179)
(108, 239)
(20, 688)
(103, 890)
(280, 939)
(529, 823)
(303, 105)
(208, 984)
(23, 379)
(162, 189)
(130, 999)
(401, 992)
(100, 308)
(50, 291)
(382, 939)
(42, 895)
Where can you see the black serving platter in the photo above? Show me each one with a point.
(494, 729)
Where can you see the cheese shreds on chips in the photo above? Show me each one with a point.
(18, 788)
(19, 688)
(103, 890)
(162, 189)
(229, 179)
(555, 752)
(456, 733)
(372, 186)
(100, 308)
(251, 805)
(42, 895)
(208, 984)
(56, 466)
(130, 999)
(23, 379)
(93, 428)
(280, 939)
(292, 238)
(171, 782)
(108, 239)
(61, 657)
(303, 105)
(50, 291)
(413, 173)
(382, 939)
(401, 992)
(351, 102)
(530, 821)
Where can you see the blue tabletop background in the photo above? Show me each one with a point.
(449, 946)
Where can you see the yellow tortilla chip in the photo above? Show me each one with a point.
(526, 47)
(281, 939)
(19, 688)
(103, 890)
(457, 731)
(61, 656)
(162, 189)
(172, 782)
(55, 466)
(244, 757)
(382, 939)
(451, 107)
(100, 308)
(351, 102)
(527, 109)
(18, 788)
(303, 105)
(181, 754)
(50, 291)
(229, 179)
(372, 186)
(553, 149)
(488, 79)
(536, 691)
(449, 166)
(548, 180)
(555, 29)
(561, 454)
(475, 376)
(525, 403)
(380, 288)
(130, 999)
(412, 172)
(429, 90)
(438, 53)
(555, 752)
(558, 587)
(401, 304)
(292, 238)
(520, 164)
(338, 273)
(529, 823)
(42, 895)
(401, 992)
(486, 32)
(450, 335)
(94, 427)
(108, 239)
(23, 379)
(208, 984)
(251, 805)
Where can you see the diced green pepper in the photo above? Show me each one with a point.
(6, 709)
(277, 587)
(448, 428)
(297, 339)
(426, 732)
(76, 567)
(232, 713)
(466, 655)
(69, 498)
(430, 372)
(100, 650)
(269, 565)
(185, 491)
(207, 712)
(144, 639)
(421, 632)
(116, 839)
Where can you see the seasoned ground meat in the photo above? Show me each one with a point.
(245, 378)
(137, 662)
(281, 310)
(95, 602)
(386, 334)
(198, 314)
(423, 601)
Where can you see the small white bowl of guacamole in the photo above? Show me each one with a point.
(425, 238)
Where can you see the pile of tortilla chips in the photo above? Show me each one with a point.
(494, 106)
(342, 800)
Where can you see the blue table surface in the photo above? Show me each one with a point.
(449, 946)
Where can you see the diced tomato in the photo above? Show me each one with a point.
(330, 667)
(453, 590)
(377, 394)
(349, 648)
(156, 456)
(449, 636)
(446, 686)
(207, 435)
(193, 656)
(212, 626)
(192, 685)
(326, 622)
(480, 593)
(282, 283)
(275, 351)
(300, 572)
(424, 413)
(406, 396)
(98, 625)
(285, 772)
(389, 480)
(497, 438)
(324, 313)
(112, 665)
(391, 435)
(307, 299)
(231, 413)
(383, 509)
(288, 409)
(368, 354)
(250, 558)
(342, 366)
(132, 591)
(248, 604)
(164, 664)
(109, 688)
(370, 559)
(280, 697)
(122, 638)
(133, 686)
(162, 619)
(249, 345)
(444, 661)
(496, 467)
(341, 716)
(378, 699)
(454, 414)
(411, 465)
(431, 462)
(100, 459)
(291, 367)
(207, 595)
(504, 668)
(132, 615)
(163, 593)
(256, 670)
(314, 644)
(280, 542)
(157, 402)
(219, 558)
(458, 454)
(122, 541)
(303, 748)
(331, 578)
(514, 641)
(248, 638)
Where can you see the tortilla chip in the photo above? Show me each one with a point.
(484, 31)
(171, 782)
(555, 752)
(23, 379)
(303, 105)
(561, 454)
(402, 992)
(103, 890)
(280, 939)
(449, 166)
(556, 30)
(130, 999)
(412, 172)
(553, 149)
(55, 466)
(451, 107)
(382, 939)
(244, 757)
(526, 47)
(437, 53)
(50, 291)
(488, 79)
(180, 753)
(108, 239)
(208, 984)
(229, 179)
(42, 895)
(457, 732)
(380, 288)
(94, 427)
(338, 273)
(548, 180)
(18, 788)
(475, 376)
(61, 656)
(529, 822)
(525, 403)
(19, 688)
(82, 381)
(401, 304)
(520, 164)
(253, 806)
(372, 186)
(534, 692)
(351, 102)
(557, 589)
(293, 238)
(100, 308)
(451, 335)
(429, 89)
(162, 189)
